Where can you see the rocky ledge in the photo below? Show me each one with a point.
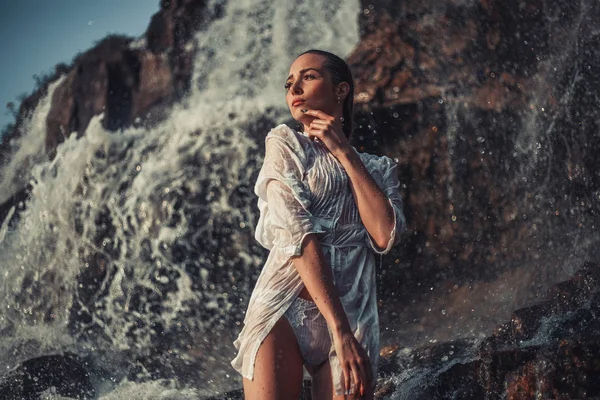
(548, 350)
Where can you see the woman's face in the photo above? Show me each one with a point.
(310, 86)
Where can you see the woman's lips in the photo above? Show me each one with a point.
(296, 103)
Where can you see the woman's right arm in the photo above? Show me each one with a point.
(318, 280)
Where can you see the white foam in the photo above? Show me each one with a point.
(28, 149)
(134, 182)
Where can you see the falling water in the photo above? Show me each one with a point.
(135, 249)
(29, 149)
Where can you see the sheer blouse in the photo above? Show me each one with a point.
(302, 188)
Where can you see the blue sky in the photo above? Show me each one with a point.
(38, 34)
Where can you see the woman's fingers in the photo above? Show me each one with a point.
(318, 127)
(347, 379)
(358, 381)
(355, 379)
(356, 366)
(362, 379)
(320, 124)
(315, 132)
(367, 371)
(365, 379)
(319, 114)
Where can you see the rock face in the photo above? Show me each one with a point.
(545, 351)
(123, 79)
(131, 83)
(492, 119)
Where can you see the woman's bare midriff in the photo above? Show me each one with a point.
(305, 295)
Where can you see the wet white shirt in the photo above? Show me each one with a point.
(302, 188)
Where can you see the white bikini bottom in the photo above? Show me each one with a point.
(311, 331)
(314, 339)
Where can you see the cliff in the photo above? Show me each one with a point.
(127, 81)
(490, 108)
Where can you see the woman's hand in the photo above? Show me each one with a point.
(328, 130)
(355, 364)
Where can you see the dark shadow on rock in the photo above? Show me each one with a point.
(67, 373)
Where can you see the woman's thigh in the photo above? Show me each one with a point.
(278, 367)
(322, 386)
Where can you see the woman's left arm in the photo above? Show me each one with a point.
(375, 210)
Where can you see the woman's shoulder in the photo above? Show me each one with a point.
(375, 162)
(284, 132)
(294, 140)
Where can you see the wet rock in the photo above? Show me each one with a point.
(176, 23)
(452, 91)
(114, 79)
(127, 81)
(66, 373)
(131, 83)
(552, 352)
(14, 205)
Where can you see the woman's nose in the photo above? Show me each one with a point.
(296, 89)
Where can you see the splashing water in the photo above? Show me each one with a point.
(29, 149)
(135, 247)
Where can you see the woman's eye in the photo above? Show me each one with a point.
(289, 84)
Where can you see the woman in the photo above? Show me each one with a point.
(324, 208)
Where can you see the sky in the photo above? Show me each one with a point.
(38, 34)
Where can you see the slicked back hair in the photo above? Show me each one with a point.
(340, 72)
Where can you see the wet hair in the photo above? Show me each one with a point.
(340, 72)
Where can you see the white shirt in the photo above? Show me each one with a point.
(302, 188)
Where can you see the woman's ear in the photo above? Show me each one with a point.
(342, 90)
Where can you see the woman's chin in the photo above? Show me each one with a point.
(297, 111)
(299, 116)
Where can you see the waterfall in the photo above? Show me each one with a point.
(135, 248)
(28, 149)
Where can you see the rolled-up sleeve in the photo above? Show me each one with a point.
(385, 172)
(283, 197)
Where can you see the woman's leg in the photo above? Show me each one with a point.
(322, 386)
(278, 366)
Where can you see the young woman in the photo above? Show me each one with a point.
(324, 209)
